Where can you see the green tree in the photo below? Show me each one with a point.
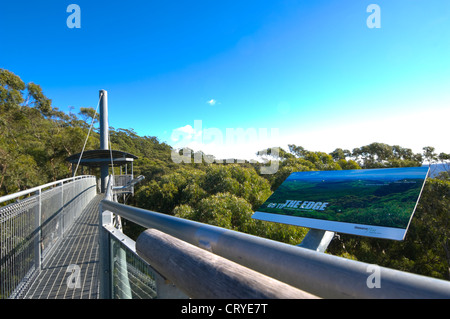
(88, 114)
(340, 154)
(380, 155)
(11, 87)
(429, 155)
(37, 99)
(223, 210)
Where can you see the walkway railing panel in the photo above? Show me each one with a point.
(19, 238)
(123, 274)
(131, 277)
(31, 223)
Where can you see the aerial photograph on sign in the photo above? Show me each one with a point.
(367, 202)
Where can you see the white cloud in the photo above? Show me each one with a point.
(186, 132)
(211, 102)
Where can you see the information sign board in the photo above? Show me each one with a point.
(367, 202)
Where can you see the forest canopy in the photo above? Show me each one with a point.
(36, 138)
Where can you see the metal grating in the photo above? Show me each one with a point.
(75, 258)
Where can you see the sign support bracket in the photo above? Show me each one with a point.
(317, 239)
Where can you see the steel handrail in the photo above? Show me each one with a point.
(41, 187)
(321, 274)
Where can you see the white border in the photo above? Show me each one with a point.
(342, 227)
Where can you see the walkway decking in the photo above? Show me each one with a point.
(79, 250)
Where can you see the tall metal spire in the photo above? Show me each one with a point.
(104, 136)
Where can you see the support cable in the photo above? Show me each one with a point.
(89, 132)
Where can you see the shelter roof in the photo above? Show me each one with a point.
(95, 158)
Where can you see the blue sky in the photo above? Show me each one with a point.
(311, 73)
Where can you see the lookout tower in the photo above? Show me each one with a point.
(104, 157)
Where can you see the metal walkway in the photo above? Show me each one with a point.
(76, 257)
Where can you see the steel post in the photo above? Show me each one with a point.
(104, 136)
(38, 231)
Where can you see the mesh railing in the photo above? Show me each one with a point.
(31, 223)
(124, 274)
(18, 239)
(132, 278)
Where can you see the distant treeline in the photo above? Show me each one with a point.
(36, 138)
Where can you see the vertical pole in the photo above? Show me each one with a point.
(104, 136)
(132, 177)
(37, 227)
(123, 281)
(105, 259)
(61, 213)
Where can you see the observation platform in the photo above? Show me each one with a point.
(77, 255)
(97, 158)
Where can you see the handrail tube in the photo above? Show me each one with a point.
(202, 274)
(130, 183)
(318, 273)
(37, 188)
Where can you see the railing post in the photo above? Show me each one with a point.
(61, 214)
(105, 259)
(37, 227)
(123, 281)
